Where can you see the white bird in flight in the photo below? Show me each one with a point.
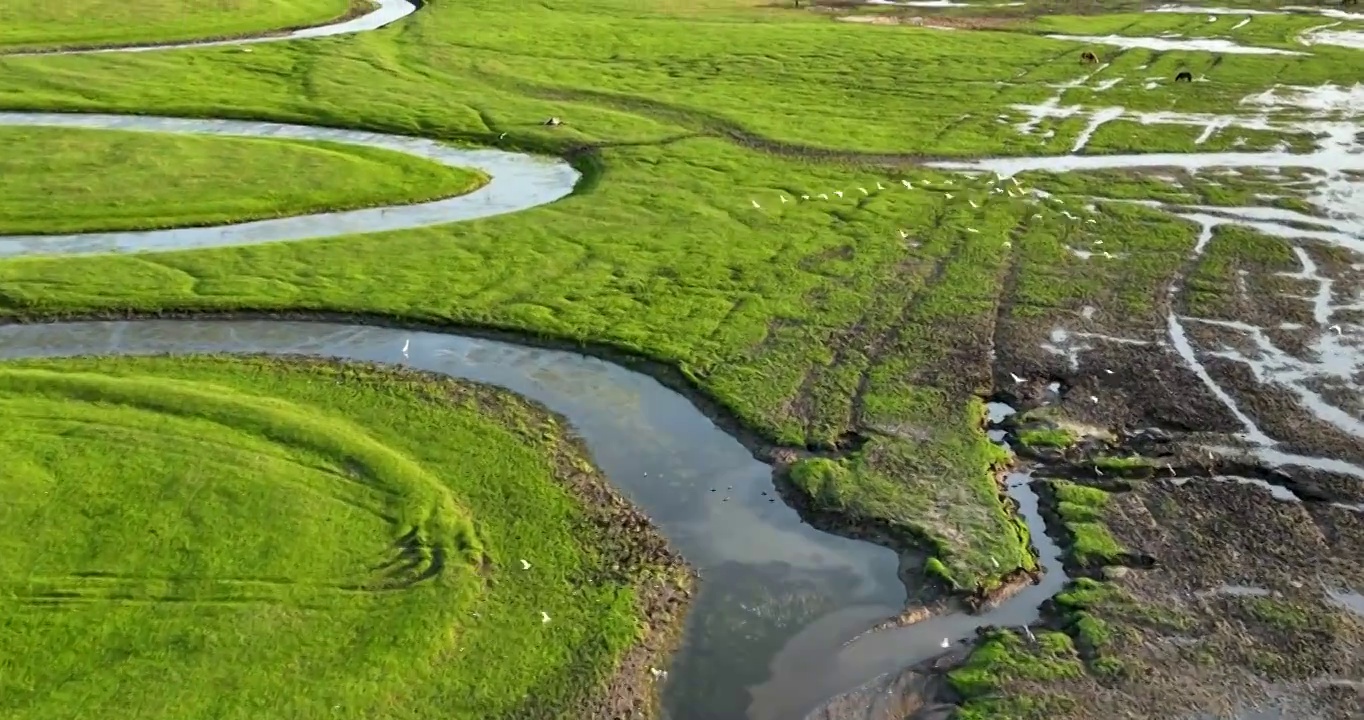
(755, 204)
(946, 642)
(405, 344)
(838, 193)
(879, 186)
(824, 196)
(864, 191)
(1336, 328)
(973, 203)
(1016, 378)
(904, 235)
(783, 199)
(949, 195)
(524, 565)
(972, 230)
(544, 616)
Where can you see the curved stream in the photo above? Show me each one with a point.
(518, 182)
(778, 599)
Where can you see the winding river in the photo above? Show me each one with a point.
(769, 638)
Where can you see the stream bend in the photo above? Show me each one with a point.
(518, 182)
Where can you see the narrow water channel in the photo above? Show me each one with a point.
(517, 182)
(778, 600)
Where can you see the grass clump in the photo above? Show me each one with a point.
(935, 568)
(1002, 659)
(1280, 614)
(1081, 510)
(1059, 438)
(59, 180)
(273, 527)
(35, 24)
(1122, 464)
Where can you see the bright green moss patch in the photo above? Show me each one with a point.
(1081, 509)
(1002, 658)
(1122, 464)
(1047, 437)
(61, 180)
(312, 536)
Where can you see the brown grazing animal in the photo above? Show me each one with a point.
(1185, 76)
(1088, 57)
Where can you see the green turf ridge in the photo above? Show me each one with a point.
(213, 522)
(1001, 657)
(869, 314)
(30, 25)
(1081, 508)
(59, 180)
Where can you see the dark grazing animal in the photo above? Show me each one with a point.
(1088, 57)
(1185, 76)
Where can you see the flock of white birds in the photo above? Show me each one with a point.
(949, 190)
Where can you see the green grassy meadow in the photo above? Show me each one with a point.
(872, 313)
(55, 180)
(241, 525)
(27, 25)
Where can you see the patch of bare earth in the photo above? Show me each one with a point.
(1237, 613)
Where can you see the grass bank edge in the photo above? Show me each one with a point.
(635, 557)
(354, 9)
(823, 481)
(433, 181)
(968, 576)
